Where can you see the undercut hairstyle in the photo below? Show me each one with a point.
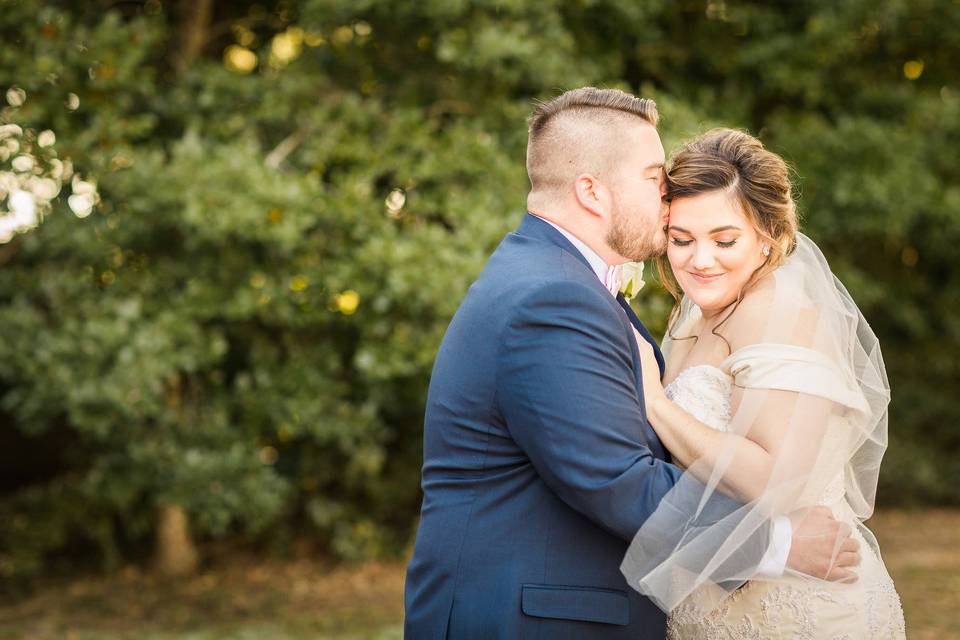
(579, 132)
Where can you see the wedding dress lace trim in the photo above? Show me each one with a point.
(704, 392)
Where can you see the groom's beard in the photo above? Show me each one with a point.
(630, 237)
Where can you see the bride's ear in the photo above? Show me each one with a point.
(592, 195)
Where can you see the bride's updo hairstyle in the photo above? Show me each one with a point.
(757, 179)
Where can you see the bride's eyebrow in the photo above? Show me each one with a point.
(729, 227)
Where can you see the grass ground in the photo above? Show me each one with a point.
(252, 599)
(922, 552)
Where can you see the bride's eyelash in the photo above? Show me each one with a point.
(684, 243)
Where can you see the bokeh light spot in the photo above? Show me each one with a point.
(239, 59)
(16, 96)
(299, 283)
(347, 302)
(268, 455)
(913, 69)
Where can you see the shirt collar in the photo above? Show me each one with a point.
(596, 262)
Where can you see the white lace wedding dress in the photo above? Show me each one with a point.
(791, 606)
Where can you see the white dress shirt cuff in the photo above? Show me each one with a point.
(774, 561)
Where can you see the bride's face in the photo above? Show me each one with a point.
(713, 249)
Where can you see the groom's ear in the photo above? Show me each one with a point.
(592, 195)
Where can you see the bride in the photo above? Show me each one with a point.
(771, 363)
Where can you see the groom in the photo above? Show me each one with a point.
(539, 463)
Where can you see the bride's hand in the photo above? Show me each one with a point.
(652, 387)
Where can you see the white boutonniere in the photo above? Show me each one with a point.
(631, 279)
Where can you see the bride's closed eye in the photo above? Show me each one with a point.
(683, 243)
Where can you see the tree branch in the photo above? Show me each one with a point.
(287, 146)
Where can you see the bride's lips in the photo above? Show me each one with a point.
(705, 278)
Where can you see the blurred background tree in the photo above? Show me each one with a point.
(294, 196)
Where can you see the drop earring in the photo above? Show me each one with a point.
(765, 251)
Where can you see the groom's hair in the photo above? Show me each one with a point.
(578, 132)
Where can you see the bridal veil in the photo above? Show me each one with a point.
(808, 363)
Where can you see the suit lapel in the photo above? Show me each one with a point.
(635, 321)
(653, 440)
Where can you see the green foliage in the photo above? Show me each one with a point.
(245, 326)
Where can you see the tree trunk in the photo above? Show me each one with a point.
(194, 24)
(176, 555)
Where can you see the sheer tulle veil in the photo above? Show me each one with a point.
(806, 351)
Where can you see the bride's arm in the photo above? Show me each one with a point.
(775, 438)
(771, 453)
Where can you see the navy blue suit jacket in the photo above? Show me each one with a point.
(539, 462)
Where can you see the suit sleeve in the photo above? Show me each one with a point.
(565, 387)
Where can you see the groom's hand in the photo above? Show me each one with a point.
(822, 547)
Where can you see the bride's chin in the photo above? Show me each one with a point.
(708, 303)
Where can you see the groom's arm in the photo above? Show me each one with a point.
(566, 390)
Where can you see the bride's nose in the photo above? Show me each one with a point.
(702, 256)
